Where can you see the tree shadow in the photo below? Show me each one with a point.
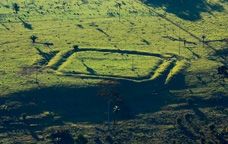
(89, 69)
(46, 57)
(5, 26)
(186, 9)
(26, 24)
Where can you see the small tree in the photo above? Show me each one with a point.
(33, 38)
(203, 38)
(16, 7)
(76, 47)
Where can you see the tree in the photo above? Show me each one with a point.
(16, 7)
(203, 37)
(116, 110)
(33, 38)
(76, 47)
(81, 140)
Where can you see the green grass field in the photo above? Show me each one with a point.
(84, 24)
(151, 45)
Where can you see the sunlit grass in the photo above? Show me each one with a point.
(97, 25)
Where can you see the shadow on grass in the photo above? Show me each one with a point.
(223, 52)
(25, 110)
(186, 9)
(130, 52)
(90, 104)
(89, 69)
(46, 57)
(26, 24)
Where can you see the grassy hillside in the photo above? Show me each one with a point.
(96, 24)
(156, 53)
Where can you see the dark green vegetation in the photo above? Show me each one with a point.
(129, 71)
